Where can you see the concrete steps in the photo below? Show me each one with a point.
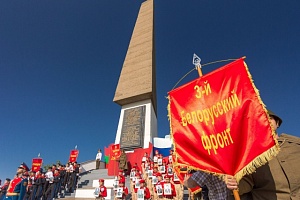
(89, 181)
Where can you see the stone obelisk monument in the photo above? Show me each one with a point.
(136, 89)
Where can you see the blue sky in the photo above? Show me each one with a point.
(60, 62)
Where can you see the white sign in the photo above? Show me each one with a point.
(154, 180)
(97, 191)
(140, 194)
(137, 183)
(159, 161)
(167, 189)
(119, 192)
(116, 184)
(170, 171)
(150, 173)
(175, 178)
(159, 190)
(162, 169)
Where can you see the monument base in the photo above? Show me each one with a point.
(137, 125)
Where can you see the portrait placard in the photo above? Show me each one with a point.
(140, 194)
(162, 169)
(159, 189)
(159, 161)
(175, 177)
(154, 180)
(137, 183)
(167, 189)
(150, 173)
(170, 171)
(119, 192)
(96, 192)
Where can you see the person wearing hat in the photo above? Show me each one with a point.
(169, 188)
(124, 190)
(3, 189)
(158, 188)
(170, 158)
(142, 191)
(17, 187)
(279, 179)
(102, 191)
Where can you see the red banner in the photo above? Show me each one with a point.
(132, 158)
(115, 152)
(36, 164)
(219, 123)
(73, 155)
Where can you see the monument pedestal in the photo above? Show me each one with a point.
(137, 125)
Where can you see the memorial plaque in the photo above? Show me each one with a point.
(132, 134)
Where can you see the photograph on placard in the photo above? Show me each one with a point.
(150, 173)
(154, 180)
(96, 192)
(137, 183)
(119, 192)
(159, 161)
(132, 175)
(140, 194)
(167, 189)
(175, 177)
(159, 189)
(170, 171)
(116, 184)
(170, 159)
(162, 169)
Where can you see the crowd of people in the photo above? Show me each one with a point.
(154, 179)
(40, 185)
(279, 179)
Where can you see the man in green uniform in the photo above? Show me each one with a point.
(279, 179)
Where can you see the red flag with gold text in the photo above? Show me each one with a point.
(73, 155)
(219, 123)
(115, 152)
(36, 164)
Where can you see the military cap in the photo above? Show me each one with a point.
(142, 181)
(278, 119)
(24, 166)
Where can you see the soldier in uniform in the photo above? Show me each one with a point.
(17, 187)
(3, 189)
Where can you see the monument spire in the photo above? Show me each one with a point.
(136, 89)
(137, 80)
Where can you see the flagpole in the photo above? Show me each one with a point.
(196, 62)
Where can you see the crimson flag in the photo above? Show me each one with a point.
(219, 123)
(36, 164)
(73, 155)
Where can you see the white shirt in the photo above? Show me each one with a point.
(99, 156)
(49, 176)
